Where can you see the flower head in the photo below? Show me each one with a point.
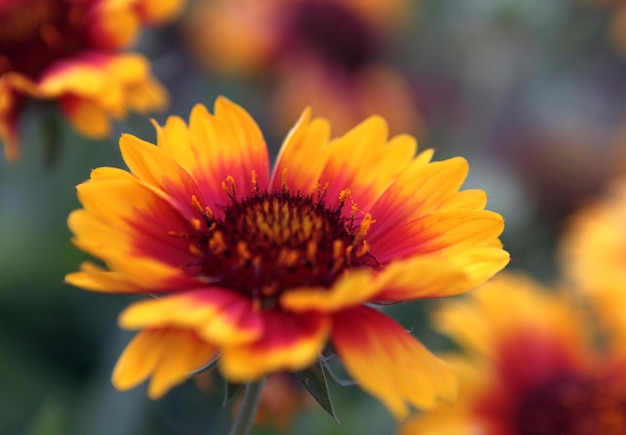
(68, 51)
(327, 54)
(270, 268)
(593, 252)
(530, 367)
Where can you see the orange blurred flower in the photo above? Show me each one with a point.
(282, 399)
(68, 51)
(267, 268)
(323, 53)
(594, 257)
(530, 367)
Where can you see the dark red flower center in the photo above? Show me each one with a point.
(331, 31)
(272, 241)
(574, 406)
(34, 33)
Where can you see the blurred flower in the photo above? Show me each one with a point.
(530, 368)
(330, 51)
(68, 51)
(282, 399)
(265, 269)
(594, 257)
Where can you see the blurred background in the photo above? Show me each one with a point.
(532, 93)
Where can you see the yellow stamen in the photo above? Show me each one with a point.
(255, 182)
(338, 250)
(363, 229)
(244, 253)
(311, 251)
(196, 204)
(363, 249)
(195, 250)
(206, 213)
(288, 257)
(196, 224)
(321, 191)
(343, 195)
(229, 187)
(283, 181)
(217, 244)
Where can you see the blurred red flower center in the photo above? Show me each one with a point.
(34, 33)
(269, 242)
(574, 406)
(330, 30)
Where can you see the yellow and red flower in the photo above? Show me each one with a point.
(594, 258)
(68, 51)
(531, 367)
(322, 53)
(268, 268)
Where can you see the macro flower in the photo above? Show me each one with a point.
(593, 257)
(268, 269)
(332, 52)
(68, 51)
(530, 366)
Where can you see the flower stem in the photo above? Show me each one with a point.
(248, 407)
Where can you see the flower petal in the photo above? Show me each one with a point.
(388, 362)
(220, 317)
(154, 166)
(226, 144)
(419, 191)
(366, 163)
(169, 355)
(215, 147)
(130, 228)
(157, 12)
(448, 232)
(303, 155)
(350, 290)
(93, 277)
(439, 276)
(289, 342)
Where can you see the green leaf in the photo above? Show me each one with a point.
(232, 390)
(314, 380)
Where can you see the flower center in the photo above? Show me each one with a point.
(334, 32)
(574, 406)
(269, 242)
(34, 33)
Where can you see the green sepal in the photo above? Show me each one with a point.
(232, 391)
(314, 380)
(211, 365)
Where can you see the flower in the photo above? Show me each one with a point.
(593, 250)
(330, 52)
(530, 366)
(282, 399)
(68, 51)
(267, 269)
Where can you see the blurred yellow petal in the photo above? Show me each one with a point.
(168, 355)
(289, 342)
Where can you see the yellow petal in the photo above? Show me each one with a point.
(289, 342)
(169, 355)
(302, 155)
(352, 289)
(218, 316)
(389, 363)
